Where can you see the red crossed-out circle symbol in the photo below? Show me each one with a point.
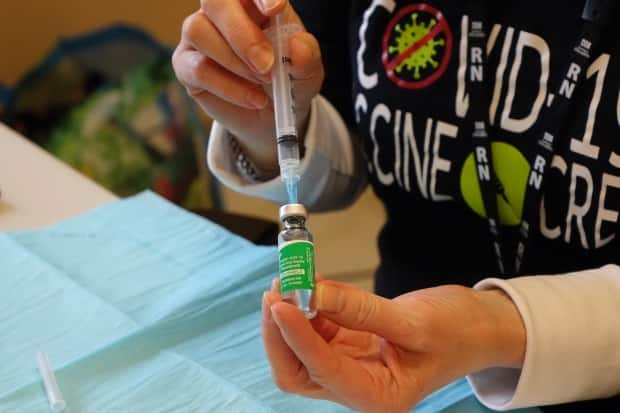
(439, 32)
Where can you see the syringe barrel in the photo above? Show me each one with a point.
(283, 100)
(288, 154)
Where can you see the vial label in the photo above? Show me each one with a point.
(296, 266)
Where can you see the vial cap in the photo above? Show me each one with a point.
(293, 210)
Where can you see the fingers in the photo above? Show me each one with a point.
(326, 329)
(203, 74)
(229, 114)
(270, 7)
(302, 361)
(308, 346)
(341, 379)
(243, 34)
(224, 59)
(287, 370)
(357, 309)
(307, 66)
(201, 35)
(305, 56)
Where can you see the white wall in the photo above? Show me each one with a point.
(28, 29)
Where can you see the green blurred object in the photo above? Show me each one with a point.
(109, 105)
(132, 136)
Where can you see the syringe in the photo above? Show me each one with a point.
(284, 105)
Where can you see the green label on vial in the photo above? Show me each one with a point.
(296, 266)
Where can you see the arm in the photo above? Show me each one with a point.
(573, 340)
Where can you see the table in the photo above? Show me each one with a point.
(38, 189)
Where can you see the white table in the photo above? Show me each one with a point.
(38, 189)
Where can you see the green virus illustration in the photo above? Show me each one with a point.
(425, 54)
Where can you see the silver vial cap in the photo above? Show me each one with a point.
(293, 210)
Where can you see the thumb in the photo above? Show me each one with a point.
(270, 7)
(307, 66)
(306, 63)
(357, 309)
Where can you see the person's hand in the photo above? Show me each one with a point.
(224, 60)
(377, 355)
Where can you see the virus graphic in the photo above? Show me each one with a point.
(423, 56)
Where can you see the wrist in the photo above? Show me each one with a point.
(261, 151)
(505, 331)
(260, 148)
(246, 166)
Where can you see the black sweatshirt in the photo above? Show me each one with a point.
(410, 110)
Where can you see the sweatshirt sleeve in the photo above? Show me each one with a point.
(333, 171)
(572, 326)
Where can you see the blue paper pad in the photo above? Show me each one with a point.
(143, 307)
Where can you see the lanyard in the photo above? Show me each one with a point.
(596, 15)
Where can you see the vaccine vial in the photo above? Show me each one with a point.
(296, 259)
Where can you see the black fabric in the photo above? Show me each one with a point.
(410, 105)
(591, 406)
(329, 22)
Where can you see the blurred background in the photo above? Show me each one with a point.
(92, 84)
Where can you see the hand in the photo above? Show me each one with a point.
(377, 355)
(225, 60)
